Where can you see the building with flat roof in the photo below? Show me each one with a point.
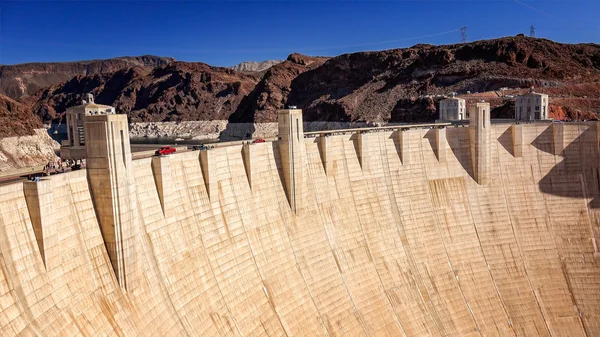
(453, 108)
(532, 106)
(74, 146)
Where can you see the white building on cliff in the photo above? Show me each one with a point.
(74, 147)
(531, 106)
(453, 108)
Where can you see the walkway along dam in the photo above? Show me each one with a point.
(483, 230)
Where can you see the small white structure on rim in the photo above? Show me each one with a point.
(74, 147)
(532, 106)
(453, 108)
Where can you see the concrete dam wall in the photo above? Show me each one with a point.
(394, 233)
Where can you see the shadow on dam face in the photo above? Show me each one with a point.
(576, 174)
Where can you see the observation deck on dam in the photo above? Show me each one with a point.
(490, 229)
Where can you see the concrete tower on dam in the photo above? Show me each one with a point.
(480, 141)
(109, 173)
(291, 148)
(489, 229)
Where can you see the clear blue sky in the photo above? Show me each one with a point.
(224, 33)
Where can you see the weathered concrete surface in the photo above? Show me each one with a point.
(407, 245)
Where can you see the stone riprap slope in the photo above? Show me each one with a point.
(377, 247)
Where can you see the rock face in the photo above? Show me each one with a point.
(24, 79)
(255, 66)
(16, 119)
(382, 85)
(272, 92)
(399, 85)
(177, 91)
(27, 151)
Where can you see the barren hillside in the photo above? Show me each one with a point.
(398, 85)
(24, 79)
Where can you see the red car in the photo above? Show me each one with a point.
(165, 150)
(258, 141)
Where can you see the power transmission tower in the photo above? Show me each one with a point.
(532, 31)
(463, 34)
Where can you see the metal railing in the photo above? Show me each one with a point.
(375, 129)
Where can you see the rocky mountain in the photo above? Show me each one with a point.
(399, 85)
(24, 79)
(173, 92)
(272, 92)
(16, 119)
(255, 66)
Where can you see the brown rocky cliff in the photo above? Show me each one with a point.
(21, 80)
(16, 119)
(271, 93)
(381, 85)
(394, 85)
(174, 92)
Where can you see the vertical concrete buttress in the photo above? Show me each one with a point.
(441, 144)
(40, 204)
(323, 144)
(517, 140)
(110, 177)
(404, 143)
(247, 158)
(558, 138)
(362, 149)
(480, 141)
(597, 130)
(161, 170)
(207, 165)
(291, 149)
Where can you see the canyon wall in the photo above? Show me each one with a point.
(27, 151)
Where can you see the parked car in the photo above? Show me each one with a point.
(165, 150)
(260, 140)
(199, 147)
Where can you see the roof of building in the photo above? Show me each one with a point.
(92, 106)
(532, 93)
(452, 99)
(96, 106)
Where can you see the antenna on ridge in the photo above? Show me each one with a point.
(532, 31)
(463, 34)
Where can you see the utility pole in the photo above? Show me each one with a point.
(532, 31)
(463, 34)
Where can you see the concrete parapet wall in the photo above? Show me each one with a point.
(411, 246)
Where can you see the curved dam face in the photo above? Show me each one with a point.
(391, 234)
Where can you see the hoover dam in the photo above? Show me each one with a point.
(484, 229)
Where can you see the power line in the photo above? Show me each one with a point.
(532, 31)
(463, 34)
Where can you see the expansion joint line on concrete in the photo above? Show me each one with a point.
(587, 210)
(437, 227)
(287, 234)
(151, 258)
(411, 258)
(362, 230)
(350, 298)
(521, 256)
(485, 258)
(586, 198)
(430, 307)
(198, 205)
(262, 278)
(16, 291)
(549, 223)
